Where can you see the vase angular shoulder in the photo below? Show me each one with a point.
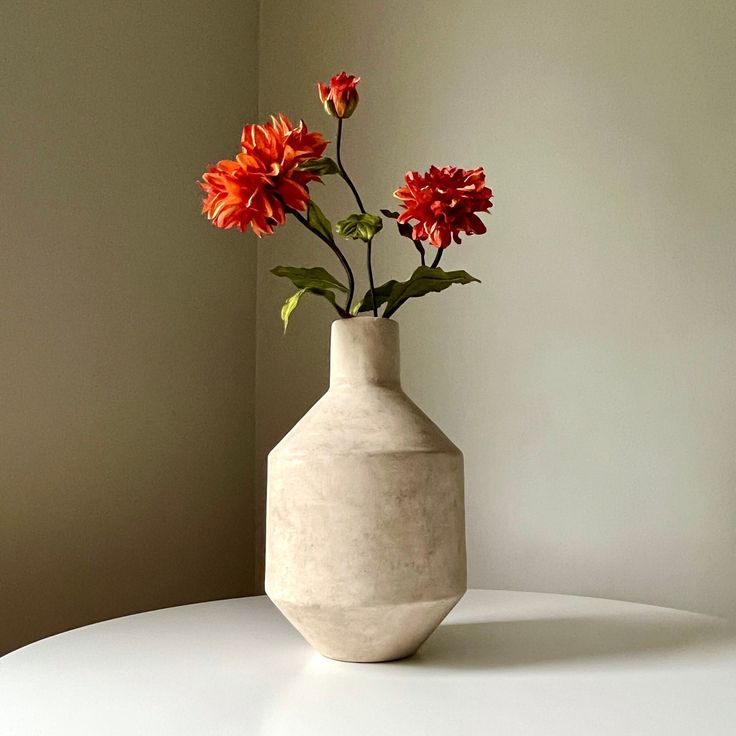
(365, 539)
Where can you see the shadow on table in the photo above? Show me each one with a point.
(504, 644)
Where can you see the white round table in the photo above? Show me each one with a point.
(502, 663)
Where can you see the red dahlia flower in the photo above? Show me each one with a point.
(443, 202)
(340, 97)
(263, 179)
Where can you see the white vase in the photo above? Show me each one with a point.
(365, 533)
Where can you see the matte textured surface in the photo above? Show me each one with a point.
(517, 664)
(126, 320)
(589, 380)
(365, 546)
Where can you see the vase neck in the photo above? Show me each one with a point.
(364, 350)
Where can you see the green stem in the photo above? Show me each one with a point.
(437, 258)
(343, 173)
(359, 201)
(386, 313)
(369, 245)
(418, 245)
(333, 247)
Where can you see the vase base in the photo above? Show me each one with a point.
(382, 633)
(370, 661)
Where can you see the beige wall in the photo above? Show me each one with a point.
(126, 321)
(590, 380)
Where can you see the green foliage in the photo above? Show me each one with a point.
(405, 229)
(291, 303)
(309, 278)
(424, 280)
(317, 221)
(320, 166)
(360, 226)
(309, 281)
(383, 292)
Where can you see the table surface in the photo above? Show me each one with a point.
(502, 663)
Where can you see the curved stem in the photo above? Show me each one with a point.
(343, 173)
(418, 245)
(333, 247)
(359, 201)
(389, 313)
(437, 258)
(369, 245)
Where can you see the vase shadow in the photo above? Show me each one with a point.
(530, 643)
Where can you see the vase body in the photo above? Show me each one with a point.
(365, 531)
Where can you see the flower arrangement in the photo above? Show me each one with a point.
(270, 177)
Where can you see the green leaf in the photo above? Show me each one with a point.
(293, 301)
(320, 166)
(309, 281)
(382, 294)
(424, 280)
(405, 229)
(309, 278)
(317, 221)
(289, 306)
(355, 308)
(360, 226)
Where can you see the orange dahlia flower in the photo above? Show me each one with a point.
(263, 179)
(443, 203)
(339, 97)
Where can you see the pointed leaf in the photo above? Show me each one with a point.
(293, 301)
(309, 278)
(382, 294)
(320, 166)
(424, 280)
(361, 226)
(289, 306)
(406, 230)
(317, 220)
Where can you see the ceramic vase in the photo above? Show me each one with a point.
(365, 532)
